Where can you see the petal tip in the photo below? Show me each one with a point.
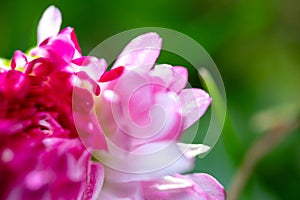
(49, 23)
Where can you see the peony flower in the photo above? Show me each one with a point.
(144, 113)
(57, 107)
(41, 155)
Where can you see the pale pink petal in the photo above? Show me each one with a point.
(164, 74)
(108, 107)
(172, 78)
(140, 52)
(19, 60)
(155, 120)
(147, 162)
(180, 187)
(86, 82)
(145, 114)
(93, 66)
(194, 103)
(49, 24)
(209, 184)
(180, 79)
(121, 191)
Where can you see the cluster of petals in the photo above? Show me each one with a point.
(59, 109)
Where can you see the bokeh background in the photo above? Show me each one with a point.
(256, 46)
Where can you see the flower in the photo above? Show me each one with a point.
(144, 113)
(71, 130)
(41, 155)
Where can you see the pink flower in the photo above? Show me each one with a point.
(143, 114)
(54, 103)
(41, 156)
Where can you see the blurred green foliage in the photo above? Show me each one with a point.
(255, 44)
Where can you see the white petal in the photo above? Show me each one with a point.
(49, 24)
(149, 161)
(193, 150)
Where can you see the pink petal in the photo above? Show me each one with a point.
(140, 52)
(194, 103)
(95, 181)
(209, 184)
(143, 113)
(164, 73)
(180, 79)
(64, 45)
(14, 84)
(89, 131)
(180, 187)
(19, 60)
(121, 191)
(173, 78)
(49, 24)
(93, 66)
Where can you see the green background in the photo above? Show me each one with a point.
(256, 46)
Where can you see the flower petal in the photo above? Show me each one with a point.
(194, 104)
(112, 74)
(140, 52)
(93, 66)
(180, 187)
(95, 181)
(149, 161)
(180, 78)
(19, 60)
(193, 150)
(121, 191)
(209, 184)
(173, 78)
(49, 24)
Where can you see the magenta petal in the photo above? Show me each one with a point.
(70, 34)
(14, 84)
(63, 45)
(95, 181)
(112, 74)
(49, 24)
(194, 104)
(140, 52)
